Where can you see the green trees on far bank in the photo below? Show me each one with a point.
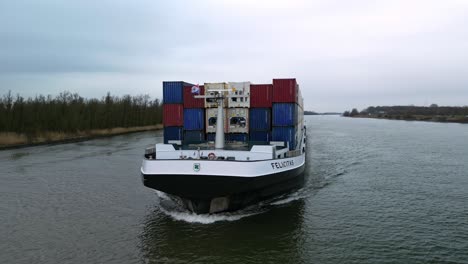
(431, 113)
(69, 112)
(353, 112)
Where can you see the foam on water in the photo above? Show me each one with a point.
(178, 213)
(207, 218)
(162, 195)
(288, 198)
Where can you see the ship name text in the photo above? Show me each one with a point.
(283, 164)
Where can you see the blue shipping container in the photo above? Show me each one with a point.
(173, 133)
(285, 134)
(210, 136)
(194, 136)
(173, 92)
(260, 136)
(285, 114)
(194, 119)
(260, 119)
(242, 137)
(229, 137)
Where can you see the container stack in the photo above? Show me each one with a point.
(212, 89)
(259, 113)
(194, 115)
(173, 110)
(242, 90)
(261, 98)
(287, 111)
(212, 119)
(237, 113)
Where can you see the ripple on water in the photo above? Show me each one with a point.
(377, 192)
(18, 155)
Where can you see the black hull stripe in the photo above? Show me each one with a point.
(207, 187)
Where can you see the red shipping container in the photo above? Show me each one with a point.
(261, 95)
(173, 115)
(190, 101)
(285, 91)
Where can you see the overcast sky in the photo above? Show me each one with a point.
(344, 54)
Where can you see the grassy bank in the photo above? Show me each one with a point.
(14, 140)
(433, 113)
(440, 119)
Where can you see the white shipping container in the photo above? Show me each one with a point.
(238, 120)
(212, 119)
(242, 92)
(300, 99)
(300, 119)
(300, 102)
(211, 89)
(215, 86)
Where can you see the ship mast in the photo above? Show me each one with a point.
(219, 140)
(219, 96)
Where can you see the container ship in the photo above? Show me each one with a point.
(228, 145)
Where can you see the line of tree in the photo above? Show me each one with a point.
(431, 113)
(323, 113)
(310, 113)
(433, 110)
(353, 112)
(69, 112)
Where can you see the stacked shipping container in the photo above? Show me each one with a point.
(173, 110)
(173, 115)
(261, 95)
(212, 119)
(212, 89)
(242, 90)
(266, 113)
(235, 110)
(183, 115)
(238, 112)
(189, 99)
(194, 125)
(194, 115)
(173, 92)
(260, 112)
(287, 111)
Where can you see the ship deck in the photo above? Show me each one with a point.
(210, 145)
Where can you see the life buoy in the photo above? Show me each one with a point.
(211, 156)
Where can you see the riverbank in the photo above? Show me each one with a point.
(439, 119)
(433, 113)
(10, 140)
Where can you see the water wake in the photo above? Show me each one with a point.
(207, 218)
(177, 212)
(298, 195)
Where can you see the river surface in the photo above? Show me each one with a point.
(378, 191)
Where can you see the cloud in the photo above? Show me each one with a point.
(344, 54)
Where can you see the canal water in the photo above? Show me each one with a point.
(378, 191)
